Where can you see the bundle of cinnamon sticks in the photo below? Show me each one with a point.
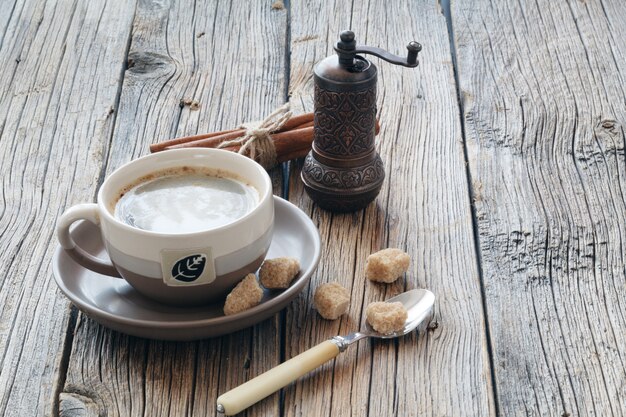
(293, 140)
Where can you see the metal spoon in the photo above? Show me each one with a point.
(419, 304)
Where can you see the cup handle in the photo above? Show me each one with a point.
(90, 213)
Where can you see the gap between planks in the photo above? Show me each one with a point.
(445, 9)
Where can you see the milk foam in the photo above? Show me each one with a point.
(185, 203)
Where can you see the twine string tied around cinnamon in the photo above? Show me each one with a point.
(256, 143)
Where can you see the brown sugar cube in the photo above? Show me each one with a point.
(279, 272)
(244, 296)
(386, 318)
(386, 265)
(331, 300)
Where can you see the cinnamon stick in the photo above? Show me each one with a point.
(308, 124)
(286, 141)
(210, 142)
(292, 141)
(296, 121)
(302, 120)
(158, 147)
(302, 134)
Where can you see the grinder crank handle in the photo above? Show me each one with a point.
(347, 49)
(410, 60)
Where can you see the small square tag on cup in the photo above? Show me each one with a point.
(187, 267)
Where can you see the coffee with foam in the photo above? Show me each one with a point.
(185, 200)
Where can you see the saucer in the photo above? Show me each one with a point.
(113, 303)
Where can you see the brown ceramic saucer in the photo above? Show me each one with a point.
(115, 304)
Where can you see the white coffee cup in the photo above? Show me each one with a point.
(148, 260)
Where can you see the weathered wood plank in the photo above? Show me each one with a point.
(60, 73)
(424, 208)
(230, 57)
(542, 86)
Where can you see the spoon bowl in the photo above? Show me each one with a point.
(419, 305)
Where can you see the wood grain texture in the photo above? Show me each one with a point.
(423, 208)
(542, 88)
(230, 58)
(60, 74)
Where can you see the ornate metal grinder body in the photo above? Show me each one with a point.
(343, 171)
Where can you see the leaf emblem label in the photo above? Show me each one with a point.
(189, 268)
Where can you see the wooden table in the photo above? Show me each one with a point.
(506, 184)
